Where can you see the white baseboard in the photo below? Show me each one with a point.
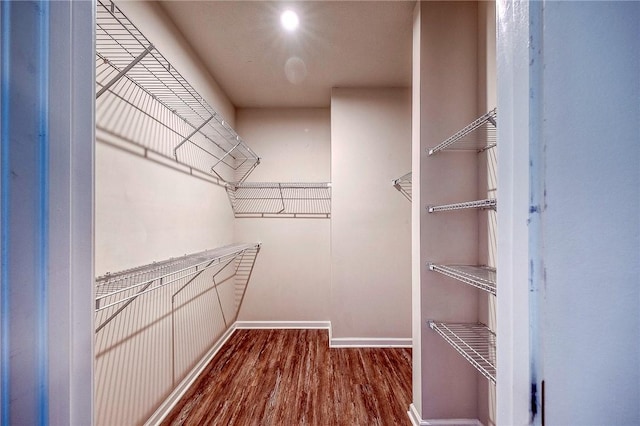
(452, 422)
(168, 404)
(334, 342)
(414, 416)
(283, 324)
(370, 342)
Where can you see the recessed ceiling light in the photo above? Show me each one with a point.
(289, 20)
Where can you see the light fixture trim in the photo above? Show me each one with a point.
(289, 20)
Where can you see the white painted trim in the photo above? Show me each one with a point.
(370, 342)
(175, 396)
(414, 416)
(284, 325)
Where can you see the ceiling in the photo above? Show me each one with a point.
(338, 44)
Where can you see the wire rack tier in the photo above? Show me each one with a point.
(475, 342)
(122, 287)
(482, 277)
(141, 98)
(476, 204)
(277, 199)
(479, 135)
(404, 184)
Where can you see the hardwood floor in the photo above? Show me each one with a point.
(292, 377)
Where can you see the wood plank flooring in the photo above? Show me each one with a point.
(292, 377)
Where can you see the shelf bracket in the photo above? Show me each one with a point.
(226, 154)
(124, 71)
(175, 150)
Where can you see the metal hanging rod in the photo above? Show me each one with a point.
(482, 277)
(479, 135)
(143, 99)
(475, 342)
(477, 204)
(278, 199)
(404, 184)
(125, 286)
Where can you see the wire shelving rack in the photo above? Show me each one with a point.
(476, 204)
(482, 277)
(120, 289)
(143, 99)
(475, 342)
(478, 135)
(404, 184)
(274, 199)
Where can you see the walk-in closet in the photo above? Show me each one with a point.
(221, 208)
(320, 212)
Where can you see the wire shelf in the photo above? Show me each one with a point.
(142, 98)
(477, 204)
(482, 277)
(404, 184)
(479, 135)
(475, 342)
(125, 286)
(273, 199)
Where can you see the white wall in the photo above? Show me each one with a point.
(569, 75)
(46, 213)
(513, 349)
(416, 214)
(371, 221)
(589, 164)
(291, 279)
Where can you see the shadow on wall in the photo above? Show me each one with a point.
(155, 323)
(142, 99)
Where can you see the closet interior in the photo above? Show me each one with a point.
(155, 324)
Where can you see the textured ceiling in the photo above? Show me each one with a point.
(338, 44)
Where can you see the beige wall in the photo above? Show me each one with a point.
(371, 221)
(291, 279)
(146, 211)
(448, 101)
(449, 36)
